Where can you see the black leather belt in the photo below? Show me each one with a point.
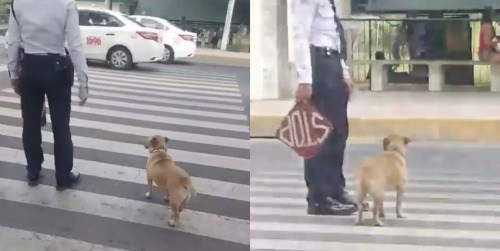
(328, 51)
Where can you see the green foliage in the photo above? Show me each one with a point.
(4, 6)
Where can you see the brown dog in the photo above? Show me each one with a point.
(386, 172)
(162, 170)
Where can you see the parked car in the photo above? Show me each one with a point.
(178, 42)
(114, 37)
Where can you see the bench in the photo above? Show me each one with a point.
(379, 72)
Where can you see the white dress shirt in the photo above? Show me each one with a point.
(314, 24)
(42, 27)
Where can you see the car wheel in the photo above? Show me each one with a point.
(169, 54)
(120, 58)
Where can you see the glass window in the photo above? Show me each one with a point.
(150, 23)
(99, 19)
(134, 20)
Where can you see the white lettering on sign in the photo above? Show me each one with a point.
(298, 128)
(315, 117)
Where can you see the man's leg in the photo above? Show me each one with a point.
(323, 78)
(32, 95)
(59, 99)
(318, 174)
(339, 100)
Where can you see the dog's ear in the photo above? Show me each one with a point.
(407, 140)
(385, 143)
(166, 139)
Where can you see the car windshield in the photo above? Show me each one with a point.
(173, 25)
(133, 20)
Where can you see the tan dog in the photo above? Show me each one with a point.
(386, 172)
(162, 170)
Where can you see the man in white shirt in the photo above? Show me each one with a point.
(324, 80)
(41, 68)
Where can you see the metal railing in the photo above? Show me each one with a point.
(444, 38)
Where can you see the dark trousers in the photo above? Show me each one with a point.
(323, 173)
(46, 75)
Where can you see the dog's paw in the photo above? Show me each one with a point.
(171, 223)
(148, 195)
(358, 222)
(400, 216)
(379, 223)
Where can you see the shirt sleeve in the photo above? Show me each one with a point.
(13, 45)
(303, 12)
(74, 43)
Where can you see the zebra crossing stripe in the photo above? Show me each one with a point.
(209, 131)
(439, 215)
(31, 241)
(157, 108)
(159, 83)
(142, 117)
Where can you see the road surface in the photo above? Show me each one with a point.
(452, 202)
(201, 110)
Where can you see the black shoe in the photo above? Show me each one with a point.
(33, 179)
(332, 208)
(73, 179)
(347, 199)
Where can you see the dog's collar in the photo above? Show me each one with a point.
(159, 150)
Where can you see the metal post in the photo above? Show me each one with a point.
(227, 25)
(108, 4)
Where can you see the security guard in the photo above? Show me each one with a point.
(41, 68)
(325, 81)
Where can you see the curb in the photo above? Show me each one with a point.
(223, 60)
(370, 130)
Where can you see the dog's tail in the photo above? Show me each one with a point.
(189, 187)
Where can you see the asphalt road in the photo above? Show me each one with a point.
(202, 108)
(452, 202)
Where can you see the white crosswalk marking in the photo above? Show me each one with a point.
(446, 209)
(202, 114)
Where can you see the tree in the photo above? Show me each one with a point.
(5, 6)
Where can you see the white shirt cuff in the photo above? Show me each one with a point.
(304, 80)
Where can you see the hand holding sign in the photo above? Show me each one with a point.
(304, 130)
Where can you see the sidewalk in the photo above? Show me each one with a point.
(457, 116)
(219, 55)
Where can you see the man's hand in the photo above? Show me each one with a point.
(303, 94)
(349, 85)
(83, 93)
(14, 83)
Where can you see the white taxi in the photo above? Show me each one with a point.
(178, 42)
(117, 39)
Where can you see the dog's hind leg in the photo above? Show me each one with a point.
(175, 202)
(165, 198)
(150, 188)
(174, 219)
(399, 201)
(381, 212)
(361, 196)
(378, 202)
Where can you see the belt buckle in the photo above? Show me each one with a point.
(328, 51)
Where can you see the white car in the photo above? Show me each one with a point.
(178, 42)
(117, 39)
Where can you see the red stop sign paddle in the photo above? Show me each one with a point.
(304, 130)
